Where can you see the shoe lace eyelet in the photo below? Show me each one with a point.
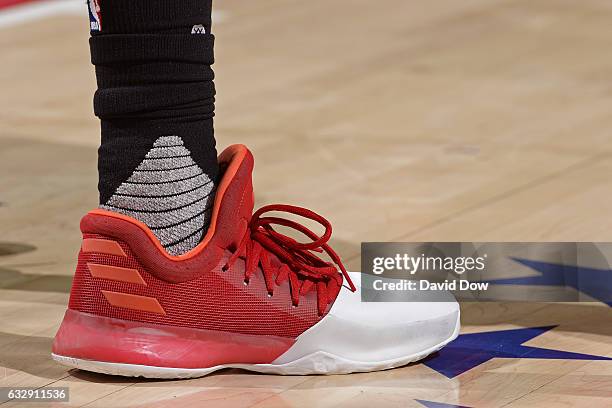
(270, 294)
(225, 267)
(245, 282)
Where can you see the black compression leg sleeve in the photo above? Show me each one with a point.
(153, 67)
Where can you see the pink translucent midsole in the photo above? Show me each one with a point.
(90, 337)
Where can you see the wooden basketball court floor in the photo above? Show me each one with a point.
(484, 120)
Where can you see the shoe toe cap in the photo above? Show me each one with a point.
(375, 332)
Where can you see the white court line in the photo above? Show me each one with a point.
(28, 12)
(24, 13)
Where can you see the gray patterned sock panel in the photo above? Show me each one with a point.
(169, 193)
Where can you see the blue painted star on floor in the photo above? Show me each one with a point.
(471, 350)
(597, 283)
(431, 404)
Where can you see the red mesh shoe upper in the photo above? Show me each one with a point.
(206, 288)
(216, 300)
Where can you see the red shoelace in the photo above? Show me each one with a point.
(304, 270)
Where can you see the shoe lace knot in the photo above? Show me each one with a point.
(299, 263)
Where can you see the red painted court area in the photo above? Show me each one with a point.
(9, 3)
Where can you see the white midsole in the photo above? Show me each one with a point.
(319, 362)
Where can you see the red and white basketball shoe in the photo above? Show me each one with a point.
(247, 296)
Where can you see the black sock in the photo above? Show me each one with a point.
(155, 98)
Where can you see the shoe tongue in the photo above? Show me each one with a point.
(234, 197)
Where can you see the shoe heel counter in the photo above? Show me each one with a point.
(95, 250)
(108, 278)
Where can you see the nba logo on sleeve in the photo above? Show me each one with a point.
(95, 20)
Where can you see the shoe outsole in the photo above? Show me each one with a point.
(321, 363)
